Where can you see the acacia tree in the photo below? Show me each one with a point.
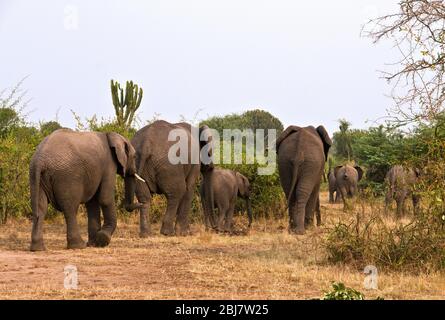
(418, 32)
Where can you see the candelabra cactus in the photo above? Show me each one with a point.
(126, 103)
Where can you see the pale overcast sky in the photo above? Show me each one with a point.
(303, 61)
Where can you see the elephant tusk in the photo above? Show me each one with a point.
(139, 177)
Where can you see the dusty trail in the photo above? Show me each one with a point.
(266, 264)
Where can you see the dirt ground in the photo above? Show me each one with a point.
(266, 263)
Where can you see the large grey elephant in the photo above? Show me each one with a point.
(226, 186)
(70, 168)
(347, 178)
(400, 182)
(177, 181)
(302, 153)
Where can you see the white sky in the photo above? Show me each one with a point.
(303, 61)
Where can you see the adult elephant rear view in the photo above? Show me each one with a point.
(70, 168)
(302, 153)
(177, 181)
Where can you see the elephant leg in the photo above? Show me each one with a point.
(182, 218)
(331, 196)
(416, 202)
(173, 201)
(388, 198)
(303, 191)
(73, 237)
(93, 210)
(311, 206)
(228, 227)
(222, 209)
(337, 196)
(37, 224)
(318, 213)
(103, 237)
(344, 197)
(399, 210)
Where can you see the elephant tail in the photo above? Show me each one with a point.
(209, 197)
(293, 184)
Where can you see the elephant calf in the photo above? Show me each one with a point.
(347, 178)
(225, 186)
(400, 183)
(332, 182)
(70, 168)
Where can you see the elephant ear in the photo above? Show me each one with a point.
(123, 151)
(206, 148)
(289, 130)
(336, 170)
(243, 184)
(327, 142)
(360, 172)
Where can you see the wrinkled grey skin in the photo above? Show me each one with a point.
(71, 168)
(226, 186)
(400, 182)
(347, 178)
(302, 153)
(176, 181)
(332, 182)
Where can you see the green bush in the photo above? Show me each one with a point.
(341, 292)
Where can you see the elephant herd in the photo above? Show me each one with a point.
(71, 168)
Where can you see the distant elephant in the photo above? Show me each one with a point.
(177, 181)
(347, 178)
(226, 186)
(400, 183)
(332, 182)
(70, 168)
(302, 153)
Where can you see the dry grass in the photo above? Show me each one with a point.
(267, 263)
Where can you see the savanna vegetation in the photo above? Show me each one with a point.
(413, 134)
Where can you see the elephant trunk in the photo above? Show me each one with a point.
(249, 210)
(130, 189)
(208, 196)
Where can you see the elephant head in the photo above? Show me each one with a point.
(244, 192)
(125, 157)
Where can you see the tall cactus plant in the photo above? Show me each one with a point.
(126, 103)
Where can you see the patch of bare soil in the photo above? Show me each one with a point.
(265, 263)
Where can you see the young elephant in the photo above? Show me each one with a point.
(400, 183)
(347, 178)
(70, 168)
(332, 182)
(226, 186)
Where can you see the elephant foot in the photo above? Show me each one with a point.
(297, 231)
(102, 239)
(37, 246)
(145, 234)
(167, 230)
(77, 244)
(91, 243)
